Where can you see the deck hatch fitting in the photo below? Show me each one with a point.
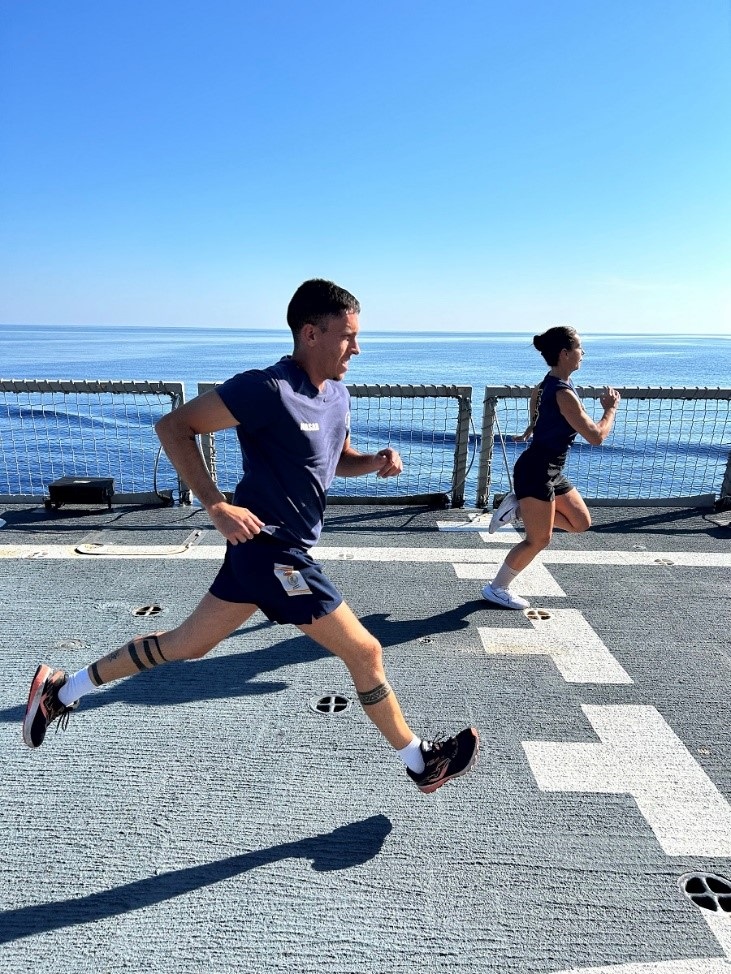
(71, 644)
(330, 704)
(708, 891)
(664, 561)
(537, 614)
(147, 610)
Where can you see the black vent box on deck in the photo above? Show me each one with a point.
(80, 490)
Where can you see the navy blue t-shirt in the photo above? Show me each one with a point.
(291, 437)
(552, 434)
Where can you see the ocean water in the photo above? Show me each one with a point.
(192, 355)
(654, 452)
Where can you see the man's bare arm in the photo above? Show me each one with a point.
(177, 431)
(386, 463)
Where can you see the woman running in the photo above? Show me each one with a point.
(543, 497)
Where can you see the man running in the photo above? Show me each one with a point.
(292, 420)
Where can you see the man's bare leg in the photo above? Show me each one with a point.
(209, 623)
(53, 694)
(438, 761)
(344, 635)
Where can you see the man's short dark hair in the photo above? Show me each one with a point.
(314, 300)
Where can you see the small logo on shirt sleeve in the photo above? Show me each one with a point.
(310, 427)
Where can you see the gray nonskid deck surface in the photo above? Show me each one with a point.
(202, 817)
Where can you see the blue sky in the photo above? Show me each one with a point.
(474, 165)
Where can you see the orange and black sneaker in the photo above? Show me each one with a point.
(44, 706)
(447, 759)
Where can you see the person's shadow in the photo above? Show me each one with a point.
(393, 632)
(344, 848)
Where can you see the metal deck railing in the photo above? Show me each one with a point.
(668, 446)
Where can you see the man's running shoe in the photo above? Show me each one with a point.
(444, 760)
(501, 596)
(505, 513)
(44, 706)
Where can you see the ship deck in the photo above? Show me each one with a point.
(206, 816)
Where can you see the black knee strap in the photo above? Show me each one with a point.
(369, 697)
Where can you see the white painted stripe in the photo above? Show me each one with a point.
(579, 654)
(533, 581)
(549, 557)
(443, 555)
(506, 535)
(720, 924)
(701, 965)
(641, 756)
(111, 551)
(703, 559)
(430, 555)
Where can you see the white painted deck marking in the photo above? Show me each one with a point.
(641, 756)
(720, 924)
(534, 580)
(507, 535)
(704, 965)
(579, 654)
(704, 559)
(475, 556)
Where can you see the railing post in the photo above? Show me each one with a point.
(461, 446)
(726, 484)
(484, 474)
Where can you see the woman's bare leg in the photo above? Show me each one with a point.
(571, 513)
(538, 520)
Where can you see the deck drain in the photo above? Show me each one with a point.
(330, 704)
(538, 614)
(71, 644)
(664, 561)
(708, 891)
(147, 610)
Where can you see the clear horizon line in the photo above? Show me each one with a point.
(445, 331)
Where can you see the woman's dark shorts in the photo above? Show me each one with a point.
(285, 583)
(537, 476)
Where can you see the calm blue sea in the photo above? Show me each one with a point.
(192, 355)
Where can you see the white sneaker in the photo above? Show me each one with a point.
(505, 513)
(501, 596)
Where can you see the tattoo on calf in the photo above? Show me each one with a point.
(375, 695)
(144, 652)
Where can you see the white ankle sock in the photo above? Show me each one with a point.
(504, 576)
(75, 687)
(412, 757)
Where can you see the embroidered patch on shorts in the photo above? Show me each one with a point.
(291, 580)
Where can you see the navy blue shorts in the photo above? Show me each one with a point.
(536, 476)
(285, 583)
